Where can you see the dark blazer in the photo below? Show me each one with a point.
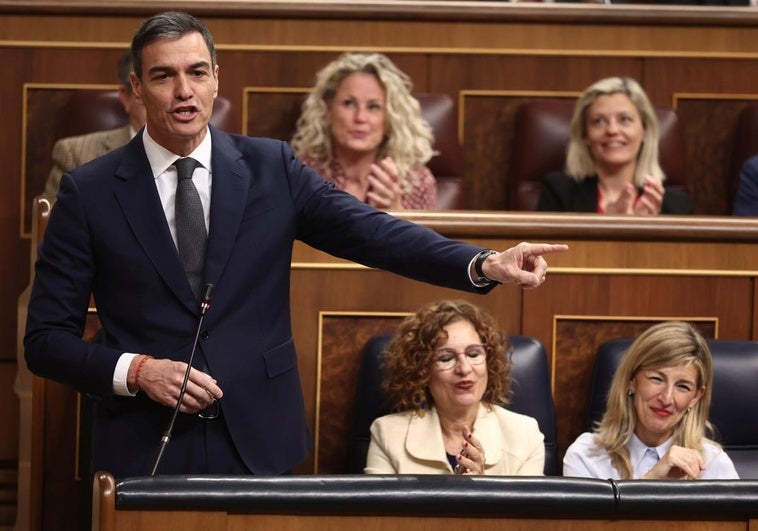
(746, 200)
(108, 236)
(562, 193)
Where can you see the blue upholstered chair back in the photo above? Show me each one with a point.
(733, 405)
(532, 396)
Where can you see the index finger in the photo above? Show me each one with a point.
(545, 248)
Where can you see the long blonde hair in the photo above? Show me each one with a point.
(408, 138)
(579, 162)
(668, 344)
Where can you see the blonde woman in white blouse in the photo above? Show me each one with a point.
(656, 421)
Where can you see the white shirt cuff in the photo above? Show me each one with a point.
(120, 373)
(471, 268)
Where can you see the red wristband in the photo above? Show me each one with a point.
(145, 357)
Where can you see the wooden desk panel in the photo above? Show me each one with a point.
(664, 268)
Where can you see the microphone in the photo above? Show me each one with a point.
(205, 304)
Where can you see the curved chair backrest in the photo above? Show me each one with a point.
(532, 396)
(735, 394)
(96, 110)
(447, 165)
(539, 147)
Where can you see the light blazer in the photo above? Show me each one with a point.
(73, 151)
(404, 443)
(108, 235)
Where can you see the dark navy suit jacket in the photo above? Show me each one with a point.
(746, 200)
(108, 236)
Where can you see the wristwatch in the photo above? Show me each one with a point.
(478, 266)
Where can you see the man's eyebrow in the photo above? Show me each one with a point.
(156, 69)
(200, 64)
(193, 66)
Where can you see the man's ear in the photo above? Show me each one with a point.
(136, 86)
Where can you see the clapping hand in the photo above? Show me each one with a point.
(471, 457)
(646, 203)
(384, 190)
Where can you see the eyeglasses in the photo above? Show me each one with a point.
(446, 358)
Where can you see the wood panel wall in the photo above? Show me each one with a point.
(488, 55)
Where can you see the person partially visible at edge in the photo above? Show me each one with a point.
(447, 374)
(73, 151)
(362, 129)
(612, 157)
(113, 234)
(655, 424)
(746, 199)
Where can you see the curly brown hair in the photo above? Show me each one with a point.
(408, 361)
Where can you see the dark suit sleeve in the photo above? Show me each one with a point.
(59, 302)
(746, 202)
(339, 224)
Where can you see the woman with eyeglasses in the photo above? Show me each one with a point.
(446, 374)
(655, 424)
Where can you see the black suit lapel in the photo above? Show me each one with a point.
(229, 194)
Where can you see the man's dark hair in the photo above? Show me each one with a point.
(168, 25)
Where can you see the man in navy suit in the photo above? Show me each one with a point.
(112, 234)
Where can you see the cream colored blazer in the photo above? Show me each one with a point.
(404, 443)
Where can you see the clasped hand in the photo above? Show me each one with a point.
(384, 190)
(471, 457)
(162, 381)
(678, 463)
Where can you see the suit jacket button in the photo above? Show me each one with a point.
(204, 334)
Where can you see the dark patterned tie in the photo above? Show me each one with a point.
(191, 235)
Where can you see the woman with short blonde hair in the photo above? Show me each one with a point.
(612, 157)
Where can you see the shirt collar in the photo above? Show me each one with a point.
(161, 158)
(637, 449)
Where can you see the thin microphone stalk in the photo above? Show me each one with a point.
(205, 304)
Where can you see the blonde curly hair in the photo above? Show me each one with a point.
(408, 137)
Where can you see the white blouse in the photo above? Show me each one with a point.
(586, 459)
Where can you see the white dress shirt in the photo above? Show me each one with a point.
(161, 162)
(586, 459)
